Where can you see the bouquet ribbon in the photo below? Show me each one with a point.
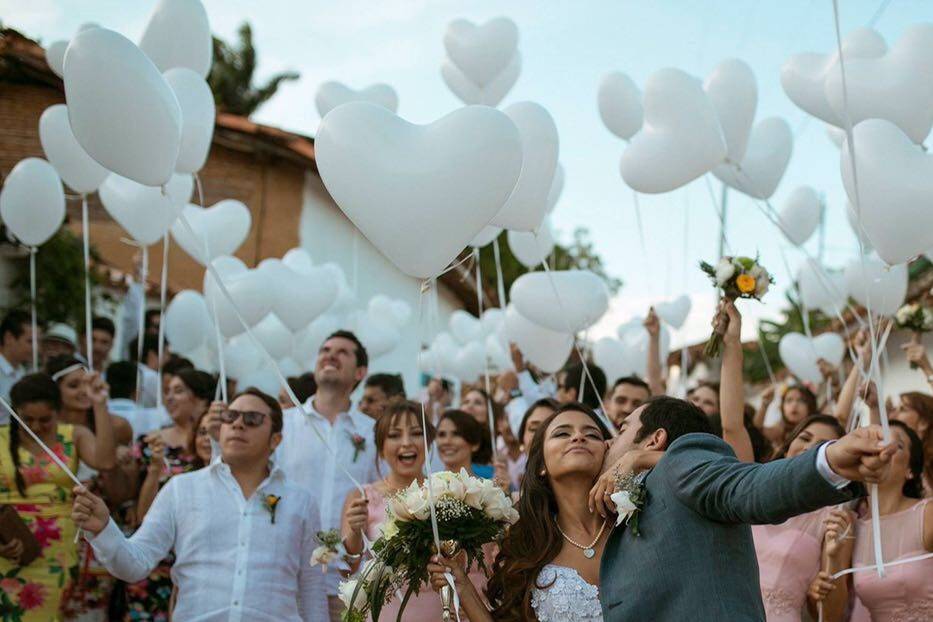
(454, 595)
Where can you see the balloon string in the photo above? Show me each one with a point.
(908, 560)
(719, 213)
(489, 414)
(265, 354)
(51, 454)
(163, 290)
(356, 260)
(85, 233)
(500, 282)
(32, 296)
(143, 277)
(426, 285)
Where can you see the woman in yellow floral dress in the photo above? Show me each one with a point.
(40, 492)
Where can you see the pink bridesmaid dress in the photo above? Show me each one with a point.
(905, 594)
(426, 605)
(789, 558)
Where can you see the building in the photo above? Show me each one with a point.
(272, 171)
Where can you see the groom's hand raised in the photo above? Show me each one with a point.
(861, 455)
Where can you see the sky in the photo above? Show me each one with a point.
(566, 46)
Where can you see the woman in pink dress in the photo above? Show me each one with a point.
(905, 594)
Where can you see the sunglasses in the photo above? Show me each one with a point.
(251, 418)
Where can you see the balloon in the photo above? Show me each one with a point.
(852, 219)
(496, 354)
(144, 211)
(379, 335)
(122, 111)
(298, 259)
(801, 354)
(55, 57)
(803, 76)
(836, 135)
(428, 189)
(544, 348)
(530, 249)
(877, 287)
(274, 336)
(225, 225)
(896, 86)
(528, 205)
(895, 190)
(178, 35)
(732, 90)
(308, 341)
(765, 161)
(617, 360)
(470, 362)
(557, 187)
(619, 102)
(674, 312)
(582, 298)
(465, 327)
(197, 117)
(486, 236)
(820, 289)
(301, 296)
(333, 94)
(32, 201)
(187, 321)
(800, 215)
(73, 164)
(250, 290)
(289, 367)
(265, 379)
(680, 140)
(242, 357)
(481, 52)
(397, 311)
(489, 95)
(346, 299)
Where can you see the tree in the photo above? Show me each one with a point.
(231, 76)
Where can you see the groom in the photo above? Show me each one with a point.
(694, 558)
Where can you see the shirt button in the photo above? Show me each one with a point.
(236, 603)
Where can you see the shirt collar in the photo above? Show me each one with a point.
(308, 409)
(6, 367)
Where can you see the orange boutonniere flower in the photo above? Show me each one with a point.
(271, 502)
(745, 283)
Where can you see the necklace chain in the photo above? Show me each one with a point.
(577, 544)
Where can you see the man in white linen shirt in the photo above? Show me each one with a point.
(341, 365)
(242, 535)
(15, 353)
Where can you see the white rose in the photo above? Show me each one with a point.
(418, 505)
(904, 313)
(389, 529)
(322, 555)
(762, 283)
(724, 271)
(473, 493)
(345, 592)
(398, 506)
(624, 506)
(456, 486)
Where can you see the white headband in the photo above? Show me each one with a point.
(64, 372)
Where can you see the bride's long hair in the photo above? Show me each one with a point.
(533, 541)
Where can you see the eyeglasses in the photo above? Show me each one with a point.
(251, 418)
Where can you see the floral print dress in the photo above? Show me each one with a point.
(149, 598)
(34, 593)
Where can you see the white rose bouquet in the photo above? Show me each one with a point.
(917, 318)
(470, 512)
(737, 277)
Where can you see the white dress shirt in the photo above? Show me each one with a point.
(308, 463)
(9, 376)
(231, 561)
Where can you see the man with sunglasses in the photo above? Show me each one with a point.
(242, 534)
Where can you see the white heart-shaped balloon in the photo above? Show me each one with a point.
(852, 219)
(481, 52)
(733, 91)
(144, 211)
(680, 139)
(542, 347)
(634, 335)
(619, 102)
(332, 94)
(617, 360)
(32, 201)
(308, 341)
(265, 379)
(489, 95)
(443, 354)
(178, 34)
(876, 286)
(76, 168)
(197, 116)
(800, 357)
(581, 299)
(557, 187)
(299, 260)
(820, 289)
(420, 194)
(830, 347)
(397, 311)
(492, 320)
(530, 249)
(497, 355)
(241, 357)
(303, 296)
(55, 57)
(470, 362)
(346, 299)
(250, 290)
(187, 321)
(486, 236)
(675, 312)
(274, 336)
(895, 190)
(224, 225)
(379, 335)
(803, 76)
(800, 214)
(289, 367)
(765, 161)
(896, 86)
(465, 327)
(527, 206)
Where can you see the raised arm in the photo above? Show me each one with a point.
(704, 474)
(731, 387)
(917, 357)
(653, 367)
(97, 449)
(846, 400)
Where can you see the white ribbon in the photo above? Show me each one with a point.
(455, 596)
(51, 454)
(489, 413)
(32, 298)
(85, 234)
(163, 287)
(143, 277)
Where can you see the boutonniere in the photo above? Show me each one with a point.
(330, 549)
(271, 502)
(629, 499)
(359, 444)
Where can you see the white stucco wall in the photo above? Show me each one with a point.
(328, 235)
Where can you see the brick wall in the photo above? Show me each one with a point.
(270, 187)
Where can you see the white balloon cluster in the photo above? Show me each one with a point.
(483, 62)
(627, 355)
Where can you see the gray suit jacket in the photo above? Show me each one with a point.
(694, 558)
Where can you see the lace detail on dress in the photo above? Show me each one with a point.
(568, 599)
(779, 601)
(921, 611)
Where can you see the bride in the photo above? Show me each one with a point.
(548, 566)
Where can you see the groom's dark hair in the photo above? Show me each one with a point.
(677, 417)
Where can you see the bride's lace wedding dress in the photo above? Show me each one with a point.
(568, 599)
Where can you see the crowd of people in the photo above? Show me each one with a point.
(195, 509)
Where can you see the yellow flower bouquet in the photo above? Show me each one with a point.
(737, 277)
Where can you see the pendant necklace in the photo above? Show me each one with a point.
(588, 551)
